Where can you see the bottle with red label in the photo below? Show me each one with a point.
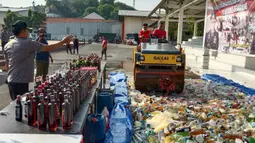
(31, 104)
(66, 114)
(52, 116)
(18, 109)
(57, 104)
(25, 104)
(41, 114)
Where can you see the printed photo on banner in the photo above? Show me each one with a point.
(230, 26)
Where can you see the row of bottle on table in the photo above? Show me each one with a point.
(54, 102)
(93, 60)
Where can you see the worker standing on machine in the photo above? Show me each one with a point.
(160, 32)
(144, 34)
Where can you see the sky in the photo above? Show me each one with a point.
(140, 4)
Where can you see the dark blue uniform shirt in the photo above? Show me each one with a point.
(42, 56)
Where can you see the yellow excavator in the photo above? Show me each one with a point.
(158, 63)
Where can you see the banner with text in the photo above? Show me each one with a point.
(230, 26)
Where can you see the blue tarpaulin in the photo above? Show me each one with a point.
(120, 127)
(116, 77)
(222, 80)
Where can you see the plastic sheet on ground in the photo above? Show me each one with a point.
(120, 130)
(117, 77)
(222, 80)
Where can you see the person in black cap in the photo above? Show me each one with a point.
(144, 34)
(19, 54)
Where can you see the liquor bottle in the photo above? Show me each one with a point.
(73, 97)
(77, 98)
(66, 114)
(197, 132)
(61, 99)
(71, 103)
(25, 104)
(52, 117)
(78, 92)
(41, 114)
(46, 85)
(105, 112)
(31, 112)
(40, 89)
(57, 104)
(18, 109)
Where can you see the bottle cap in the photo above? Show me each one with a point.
(18, 97)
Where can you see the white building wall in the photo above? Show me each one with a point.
(135, 24)
(59, 30)
(23, 13)
(2, 15)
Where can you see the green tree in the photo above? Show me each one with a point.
(200, 26)
(90, 10)
(9, 19)
(34, 19)
(78, 7)
(173, 29)
(114, 14)
(122, 6)
(103, 2)
(105, 10)
(91, 3)
(37, 19)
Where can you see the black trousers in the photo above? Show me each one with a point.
(76, 47)
(3, 44)
(68, 47)
(17, 89)
(103, 53)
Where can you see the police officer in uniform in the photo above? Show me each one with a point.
(19, 54)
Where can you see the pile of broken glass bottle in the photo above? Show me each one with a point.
(205, 112)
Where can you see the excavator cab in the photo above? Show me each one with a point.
(156, 60)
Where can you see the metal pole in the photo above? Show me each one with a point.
(195, 29)
(180, 25)
(206, 53)
(166, 27)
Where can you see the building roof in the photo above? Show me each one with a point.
(94, 16)
(5, 9)
(74, 20)
(135, 13)
(194, 8)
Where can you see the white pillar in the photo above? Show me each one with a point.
(206, 52)
(166, 27)
(180, 26)
(195, 29)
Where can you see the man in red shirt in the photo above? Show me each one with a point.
(144, 33)
(160, 32)
(104, 48)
